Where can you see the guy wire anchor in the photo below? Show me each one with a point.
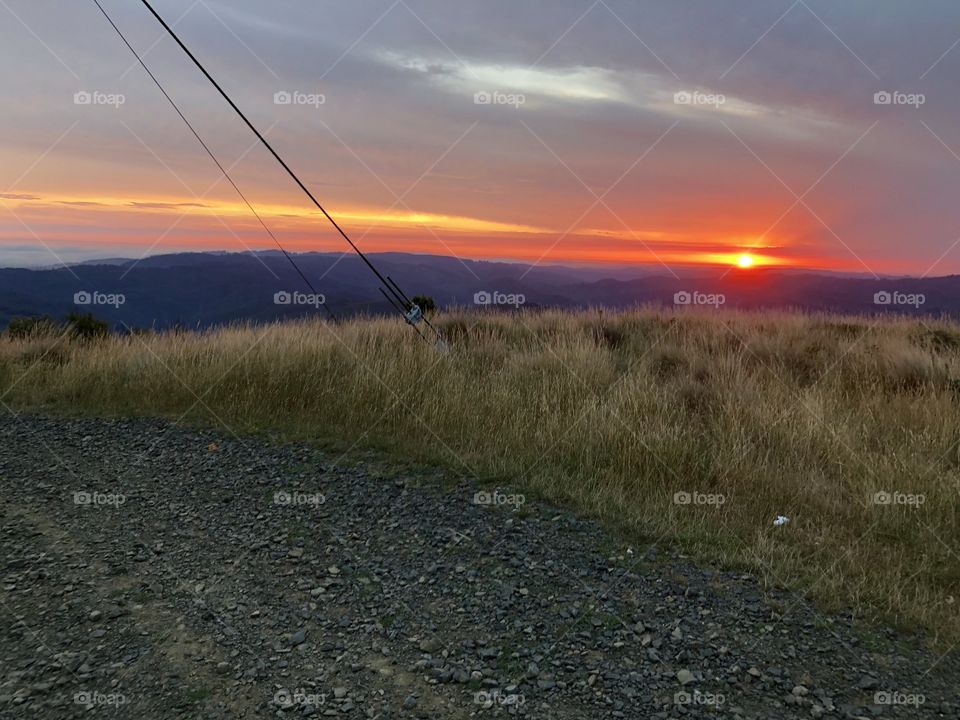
(412, 313)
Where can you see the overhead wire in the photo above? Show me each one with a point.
(410, 311)
(213, 157)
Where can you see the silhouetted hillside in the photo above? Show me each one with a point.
(201, 289)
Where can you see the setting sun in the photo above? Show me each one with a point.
(745, 261)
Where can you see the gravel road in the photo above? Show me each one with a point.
(157, 571)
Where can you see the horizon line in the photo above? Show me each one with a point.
(582, 265)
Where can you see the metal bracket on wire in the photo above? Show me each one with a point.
(412, 313)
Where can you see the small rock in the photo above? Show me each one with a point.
(430, 645)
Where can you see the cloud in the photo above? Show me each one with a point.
(573, 84)
(165, 205)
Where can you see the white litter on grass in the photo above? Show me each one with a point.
(781, 520)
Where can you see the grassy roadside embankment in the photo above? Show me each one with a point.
(623, 416)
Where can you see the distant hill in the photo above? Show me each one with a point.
(203, 289)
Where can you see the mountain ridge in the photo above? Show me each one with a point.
(206, 289)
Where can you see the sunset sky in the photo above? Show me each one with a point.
(657, 132)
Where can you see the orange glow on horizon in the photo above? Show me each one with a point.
(164, 224)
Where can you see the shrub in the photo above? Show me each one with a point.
(21, 328)
(425, 302)
(86, 327)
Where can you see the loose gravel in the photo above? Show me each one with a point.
(157, 571)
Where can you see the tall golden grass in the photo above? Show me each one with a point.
(807, 416)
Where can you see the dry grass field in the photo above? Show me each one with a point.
(695, 428)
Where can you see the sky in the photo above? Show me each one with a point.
(804, 134)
